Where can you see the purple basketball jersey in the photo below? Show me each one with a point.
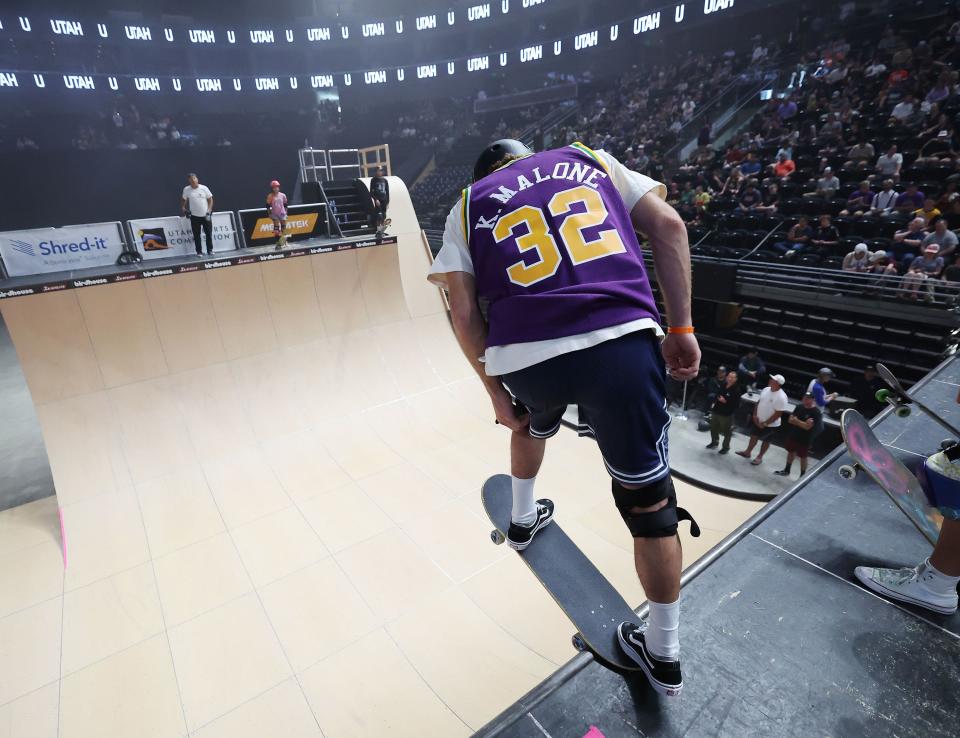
(553, 249)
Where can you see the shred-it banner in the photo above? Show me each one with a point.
(8, 291)
(303, 221)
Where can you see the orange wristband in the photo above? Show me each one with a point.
(680, 329)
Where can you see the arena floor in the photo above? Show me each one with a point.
(269, 482)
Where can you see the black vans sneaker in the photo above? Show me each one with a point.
(664, 676)
(519, 536)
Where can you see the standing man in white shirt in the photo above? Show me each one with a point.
(197, 202)
(772, 404)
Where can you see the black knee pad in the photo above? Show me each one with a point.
(661, 523)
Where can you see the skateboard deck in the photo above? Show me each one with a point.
(888, 471)
(576, 585)
(901, 400)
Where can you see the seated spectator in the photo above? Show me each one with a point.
(733, 156)
(771, 199)
(701, 200)
(910, 200)
(929, 212)
(783, 167)
(715, 181)
(944, 239)
(903, 110)
(884, 201)
(860, 155)
(939, 147)
(864, 389)
(890, 164)
(830, 132)
(947, 196)
(827, 186)
(803, 426)
(941, 90)
(882, 268)
(825, 237)
(924, 271)
(875, 68)
(734, 183)
(787, 109)
(858, 260)
(751, 369)
(724, 406)
(911, 238)
(859, 201)
(798, 237)
(750, 198)
(751, 166)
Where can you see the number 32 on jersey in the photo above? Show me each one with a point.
(540, 239)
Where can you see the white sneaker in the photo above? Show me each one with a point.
(907, 585)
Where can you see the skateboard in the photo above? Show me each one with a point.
(898, 398)
(576, 585)
(900, 484)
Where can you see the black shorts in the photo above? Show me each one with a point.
(618, 387)
(765, 434)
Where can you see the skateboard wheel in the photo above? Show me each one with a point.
(578, 642)
(497, 537)
(882, 395)
(848, 471)
(902, 412)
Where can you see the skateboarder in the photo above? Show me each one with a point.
(547, 243)
(933, 583)
(277, 210)
(380, 191)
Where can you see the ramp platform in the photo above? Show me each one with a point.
(778, 637)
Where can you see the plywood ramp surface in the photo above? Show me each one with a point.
(269, 477)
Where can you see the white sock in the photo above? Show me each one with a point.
(663, 630)
(524, 506)
(937, 581)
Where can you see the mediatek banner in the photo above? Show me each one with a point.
(303, 221)
(173, 236)
(46, 250)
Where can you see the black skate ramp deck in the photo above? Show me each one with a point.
(778, 637)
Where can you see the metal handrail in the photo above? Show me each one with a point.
(833, 281)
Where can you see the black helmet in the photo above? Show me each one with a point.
(496, 152)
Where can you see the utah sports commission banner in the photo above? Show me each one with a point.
(303, 221)
(45, 250)
(173, 236)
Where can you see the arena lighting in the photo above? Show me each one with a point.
(592, 38)
(260, 36)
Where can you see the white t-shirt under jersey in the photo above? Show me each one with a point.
(196, 198)
(454, 256)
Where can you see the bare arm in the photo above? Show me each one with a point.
(210, 204)
(183, 205)
(773, 418)
(471, 332)
(671, 260)
(671, 254)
